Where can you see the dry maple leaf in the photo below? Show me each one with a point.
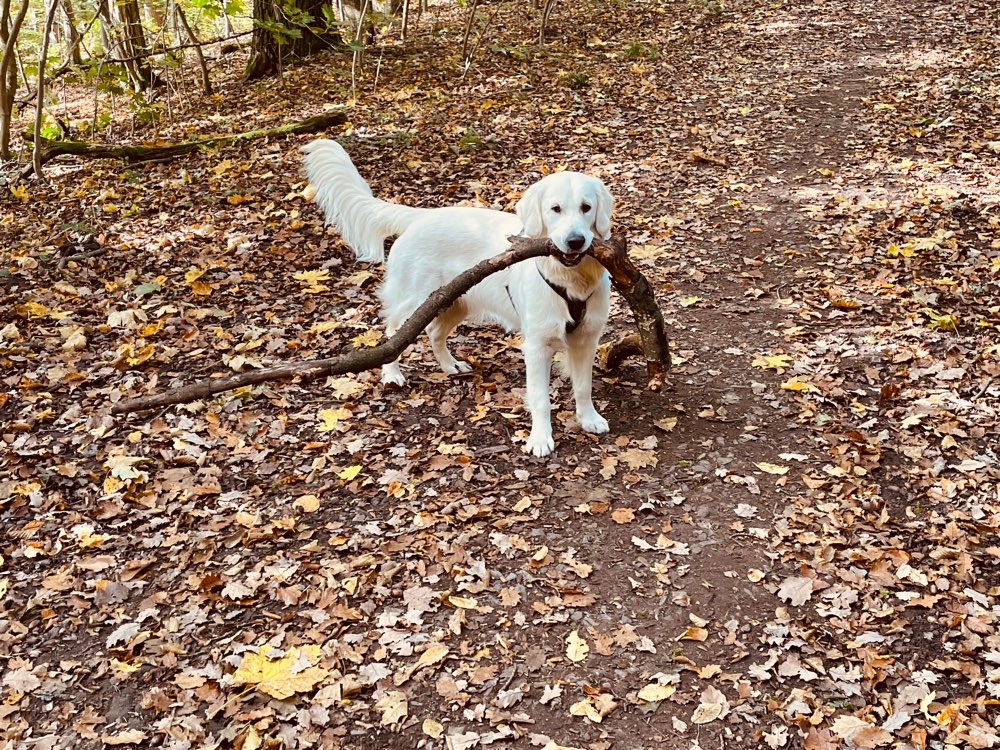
(393, 706)
(281, 678)
(639, 459)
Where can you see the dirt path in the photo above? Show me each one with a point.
(795, 546)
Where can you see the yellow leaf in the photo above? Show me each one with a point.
(368, 338)
(358, 278)
(324, 326)
(772, 361)
(252, 739)
(594, 707)
(21, 193)
(312, 280)
(349, 473)
(900, 251)
(123, 669)
(463, 602)
(330, 418)
(576, 648)
(943, 322)
(236, 199)
(585, 708)
(771, 468)
(433, 729)
(688, 301)
(138, 356)
(693, 634)
(308, 503)
(193, 274)
(656, 692)
(282, 677)
(798, 384)
(432, 655)
(33, 309)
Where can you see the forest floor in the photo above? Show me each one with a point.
(795, 545)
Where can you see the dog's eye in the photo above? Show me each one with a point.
(585, 208)
(557, 209)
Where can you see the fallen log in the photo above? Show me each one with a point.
(611, 254)
(52, 148)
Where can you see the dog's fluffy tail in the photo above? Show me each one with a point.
(363, 220)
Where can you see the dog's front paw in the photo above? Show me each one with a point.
(540, 445)
(458, 367)
(593, 422)
(392, 376)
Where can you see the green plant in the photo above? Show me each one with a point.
(641, 51)
(470, 140)
(575, 80)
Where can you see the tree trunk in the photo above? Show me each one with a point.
(71, 34)
(284, 30)
(43, 53)
(206, 81)
(8, 71)
(124, 26)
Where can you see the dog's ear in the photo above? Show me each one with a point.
(605, 207)
(529, 211)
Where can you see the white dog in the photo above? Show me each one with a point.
(555, 302)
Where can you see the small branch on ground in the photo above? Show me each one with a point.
(51, 149)
(611, 254)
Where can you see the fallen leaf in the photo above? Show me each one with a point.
(576, 648)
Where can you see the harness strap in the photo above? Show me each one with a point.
(577, 307)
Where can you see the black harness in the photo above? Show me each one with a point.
(577, 307)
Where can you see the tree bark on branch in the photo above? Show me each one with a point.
(51, 149)
(612, 254)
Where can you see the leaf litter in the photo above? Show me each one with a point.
(813, 191)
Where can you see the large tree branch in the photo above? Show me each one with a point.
(52, 149)
(612, 254)
(632, 285)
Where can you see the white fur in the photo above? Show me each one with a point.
(435, 245)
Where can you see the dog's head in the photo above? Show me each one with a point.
(570, 209)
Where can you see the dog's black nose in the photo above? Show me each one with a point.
(575, 243)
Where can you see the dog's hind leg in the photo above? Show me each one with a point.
(580, 363)
(439, 330)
